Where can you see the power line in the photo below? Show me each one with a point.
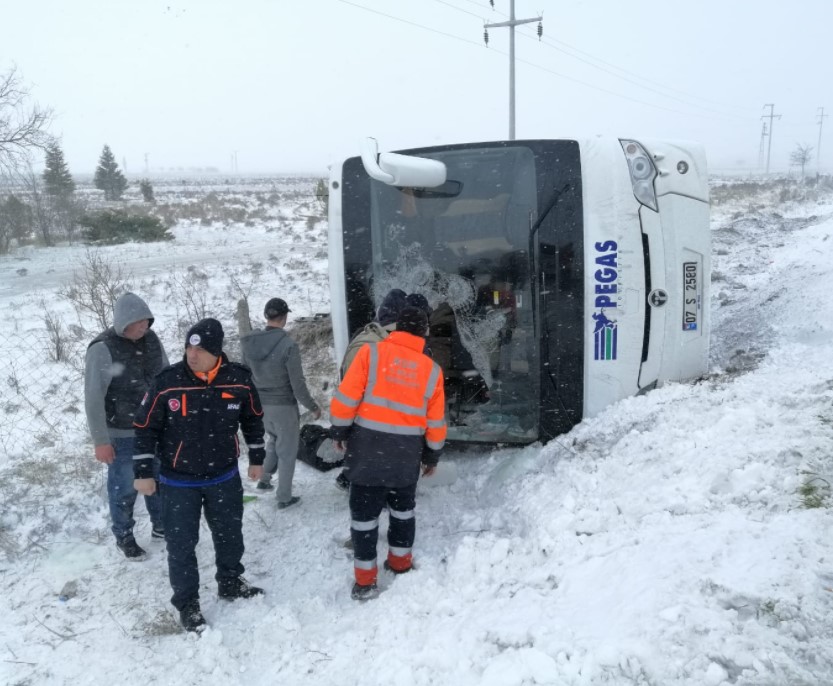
(459, 9)
(762, 146)
(410, 23)
(511, 24)
(659, 92)
(770, 116)
(532, 64)
(551, 43)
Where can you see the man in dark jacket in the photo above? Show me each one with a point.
(275, 362)
(119, 366)
(190, 417)
(389, 415)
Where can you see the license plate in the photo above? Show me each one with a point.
(691, 296)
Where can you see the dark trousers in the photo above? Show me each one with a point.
(182, 508)
(366, 504)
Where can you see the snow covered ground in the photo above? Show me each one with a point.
(667, 541)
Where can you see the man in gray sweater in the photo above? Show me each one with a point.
(275, 362)
(119, 366)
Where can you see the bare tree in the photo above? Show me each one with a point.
(189, 292)
(22, 125)
(58, 340)
(801, 156)
(95, 287)
(43, 216)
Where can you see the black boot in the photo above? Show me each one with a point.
(342, 482)
(191, 617)
(360, 592)
(131, 549)
(232, 589)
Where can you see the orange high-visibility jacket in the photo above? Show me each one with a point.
(393, 388)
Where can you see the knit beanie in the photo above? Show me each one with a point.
(420, 301)
(208, 335)
(391, 307)
(412, 320)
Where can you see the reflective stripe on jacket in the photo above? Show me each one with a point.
(393, 388)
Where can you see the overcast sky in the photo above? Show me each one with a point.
(293, 86)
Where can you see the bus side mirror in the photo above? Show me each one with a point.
(401, 170)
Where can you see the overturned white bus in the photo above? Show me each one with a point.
(563, 275)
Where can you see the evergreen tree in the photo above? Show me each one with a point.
(108, 176)
(146, 187)
(56, 177)
(15, 222)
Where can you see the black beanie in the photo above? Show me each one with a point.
(391, 306)
(208, 335)
(420, 301)
(412, 320)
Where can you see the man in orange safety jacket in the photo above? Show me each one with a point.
(388, 414)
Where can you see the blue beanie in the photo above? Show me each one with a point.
(391, 306)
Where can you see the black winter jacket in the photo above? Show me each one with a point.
(192, 425)
(138, 362)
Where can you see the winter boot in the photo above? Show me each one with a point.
(394, 570)
(131, 549)
(263, 486)
(360, 592)
(158, 532)
(342, 482)
(232, 589)
(191, 617)
(289, 503)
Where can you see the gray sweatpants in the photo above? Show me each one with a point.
(282, 424)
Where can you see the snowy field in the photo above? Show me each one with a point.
(680, 538)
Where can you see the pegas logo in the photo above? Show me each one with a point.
(605, 332)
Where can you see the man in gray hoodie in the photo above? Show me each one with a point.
(275, 362)
(120, 364)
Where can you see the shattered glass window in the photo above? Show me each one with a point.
(465, 247)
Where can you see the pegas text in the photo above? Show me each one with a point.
(607, 274)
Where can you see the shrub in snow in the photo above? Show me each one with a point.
(116, 226)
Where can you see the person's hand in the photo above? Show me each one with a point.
(255, 471)
(105, 453)
(145, 486)
(317, 413)
(428, 469)
(340, 446)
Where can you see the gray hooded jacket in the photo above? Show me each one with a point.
(275, 362)
(118, 372)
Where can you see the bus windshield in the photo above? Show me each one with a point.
(465, 247)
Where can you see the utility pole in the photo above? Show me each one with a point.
(770, 116)
(147, 167)
(821, 115)
(512, 23)
(762, 145)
